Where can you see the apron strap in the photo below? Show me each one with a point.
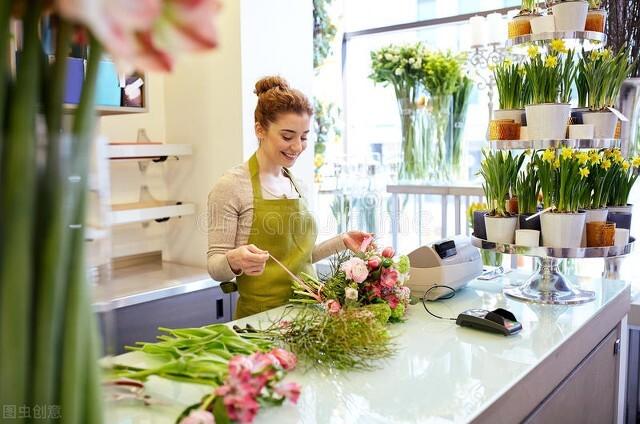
(254, 170)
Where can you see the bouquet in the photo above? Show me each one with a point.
(362, 279)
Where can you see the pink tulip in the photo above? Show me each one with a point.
(199, 416)
(374, 262)
(388, 252)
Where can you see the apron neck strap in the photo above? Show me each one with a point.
(254, 170)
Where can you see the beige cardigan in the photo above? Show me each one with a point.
(230, 218)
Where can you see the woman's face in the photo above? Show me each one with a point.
(285, 139)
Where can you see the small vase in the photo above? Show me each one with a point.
(547, 120)
(500, 229)
(593, 215)
(570, 15)
(412, 166)
(604, 123)
(440, 156)
(515, 114)
(562, 229)
(596, 20)
(520, 25)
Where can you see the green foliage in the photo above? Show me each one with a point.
(382, 311)
(551, 76)
(324, 31)
(527, 188)
(442, 72)
(600, 77)
(499, 170)
(514, 90)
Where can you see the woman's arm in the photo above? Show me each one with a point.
(327, 248)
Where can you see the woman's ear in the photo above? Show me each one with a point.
(260, 131)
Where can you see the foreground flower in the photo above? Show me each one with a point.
(355, 269)
(559, 46)
(289, 391)
(584, 172)
(332, 306)
(389, 277)
(351, 293)
(199, 416)
(635, 162)
(566, 153)
(548, 155)
(286, 359)
(388, 252)
(533, 51)
(551, 62)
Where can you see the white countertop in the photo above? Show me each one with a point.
(441, 373)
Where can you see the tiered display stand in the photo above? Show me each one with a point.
(548, 284)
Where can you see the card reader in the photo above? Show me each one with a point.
(496, 321)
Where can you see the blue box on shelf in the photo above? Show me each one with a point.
(108, 85)
(75, 79)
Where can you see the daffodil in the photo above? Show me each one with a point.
(594, 158)
(551, 62)
(605, 54)
(625, 165)
(507, 62)
(566, 153)
(635, 162)
(548, 155)
(583, 158)
(559, 46)
(606, 164)
(533, 51)
(594, 55)
(527, 152)
(584, 172)
(556, 163)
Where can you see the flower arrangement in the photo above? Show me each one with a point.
(252, 381)
(442, 72)
(550, 76)
(499, 170)
(600, 77)
(514, 90)
(359, 279)
(563, 178)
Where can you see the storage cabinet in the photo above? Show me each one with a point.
(589, 393)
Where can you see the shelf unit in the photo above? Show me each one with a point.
(107, 110)
(124, 151)
(159, 211)
(586, 39)
(602, 143)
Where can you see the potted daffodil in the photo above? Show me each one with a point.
(596, 17)
(514, 91)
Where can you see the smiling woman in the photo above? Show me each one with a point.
(257, 210)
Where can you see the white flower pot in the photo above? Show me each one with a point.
(541, 24)
(515, 114)
(593, 215)
(500, 229)
(623, 209)
(548, 121)
(570, 15)
(562, 229)
(604, 123)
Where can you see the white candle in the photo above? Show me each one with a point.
(497, 28)
(478, 30)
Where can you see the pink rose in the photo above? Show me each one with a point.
(355, 269)
(389, 277)
(289, 390)
(388, 252)
(287, 359)
(199, 416)
(374, 262)
(332, 306)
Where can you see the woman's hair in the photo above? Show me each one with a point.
(276, 97)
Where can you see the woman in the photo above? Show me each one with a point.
(257, 209)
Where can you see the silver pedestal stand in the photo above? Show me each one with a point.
(548, 285)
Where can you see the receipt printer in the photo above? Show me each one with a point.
(451, 262)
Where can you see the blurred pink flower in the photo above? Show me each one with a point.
(374, 262)
(146, 34)
(287, 359)
(289, 390)
(392, 300)
(199, 416)
(332, 306)
(388, 252)
(365, 243)
(389, 277)
(355, 269)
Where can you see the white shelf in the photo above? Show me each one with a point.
(107, 110)
(586, 39)
(120, 151)
(148, 211)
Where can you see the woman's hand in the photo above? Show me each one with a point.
(357, 241)
(247, 259)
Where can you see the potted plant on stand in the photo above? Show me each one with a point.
(499, 170)
(563, 183)
(570, 15)
(601, 74)
(595, 195)
(527, 188)
(513, 90)
(550, 78)
(596, 17)
(623, 175)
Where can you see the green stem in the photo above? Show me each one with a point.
(17, 200)
(53, 252)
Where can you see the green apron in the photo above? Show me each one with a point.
(287, 230)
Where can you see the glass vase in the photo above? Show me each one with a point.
(440, 139)
(412, 166)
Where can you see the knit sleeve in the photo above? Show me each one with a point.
(327, 248)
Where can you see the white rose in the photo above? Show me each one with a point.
(388, 56)
(399, 71)
(351, 293)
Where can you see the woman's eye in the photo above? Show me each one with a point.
(287, 138)
(304, 139)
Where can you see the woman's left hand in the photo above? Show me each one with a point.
(354, 240)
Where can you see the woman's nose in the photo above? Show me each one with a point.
(298, 146)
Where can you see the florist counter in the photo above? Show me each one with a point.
(564, 363)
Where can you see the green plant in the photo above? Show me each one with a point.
(527, 188)
(514, 90)
(601, 74)
(544, 163)
(442, 72)
(551, 76)
(324, 31)
(530, 6)
(594, 4)
(563, 179)
(499, 170)
(624, 174)
(460, 105)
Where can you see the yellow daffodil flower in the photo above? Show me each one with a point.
(605, 54)
(584, 172)
(594, 55)
(556, 163)
(533, 51)
(635, 162)
(507, 62)
(559, 46)
(548, 155)
(566, 153)
(551, 62)
(318, 160)
(625, 165)
(527, 152)
(606, 164)
(582, 157)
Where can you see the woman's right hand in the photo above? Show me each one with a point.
(247, 259)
